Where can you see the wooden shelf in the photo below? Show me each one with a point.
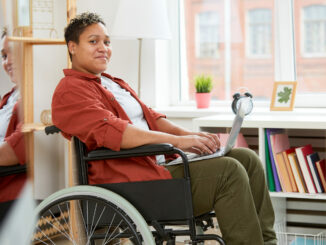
(37, 41)
(320, 196)
(31, 127)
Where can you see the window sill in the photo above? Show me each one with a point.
(193, 112)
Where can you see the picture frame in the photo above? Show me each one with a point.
(283, 96)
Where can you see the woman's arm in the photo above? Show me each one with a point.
(7, 155)
(133, 137)
(167, 126)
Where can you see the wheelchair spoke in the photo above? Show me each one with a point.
(48, 238)
(81, 214)
(113, 232)
(98, 220)
(62, 227)
(108, 229)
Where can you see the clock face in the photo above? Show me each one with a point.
(245, 105)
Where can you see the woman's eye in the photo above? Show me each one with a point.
(107, 43)
(92, 41)
(3, 56)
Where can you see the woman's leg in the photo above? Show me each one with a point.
(222, 184)
(251, 162)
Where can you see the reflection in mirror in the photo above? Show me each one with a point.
(12, 147)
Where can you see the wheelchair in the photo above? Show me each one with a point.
(146, 212)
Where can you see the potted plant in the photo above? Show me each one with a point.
(204, 86)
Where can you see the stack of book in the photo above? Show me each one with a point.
(292, 169)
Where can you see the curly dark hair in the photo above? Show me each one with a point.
(4, 32)
(78, 24)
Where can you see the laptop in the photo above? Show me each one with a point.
(236, 126)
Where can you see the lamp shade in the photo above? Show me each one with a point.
(141, 19)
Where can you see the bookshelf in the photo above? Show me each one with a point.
(302, 128)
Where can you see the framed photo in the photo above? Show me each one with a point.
(283, 96)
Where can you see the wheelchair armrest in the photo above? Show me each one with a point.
(145, 150)
(9, 170)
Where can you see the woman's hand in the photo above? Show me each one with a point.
(201, 143)
(211, 136)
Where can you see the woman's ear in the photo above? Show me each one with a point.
(71, 47)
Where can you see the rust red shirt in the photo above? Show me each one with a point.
(10, 186)
(82, 107)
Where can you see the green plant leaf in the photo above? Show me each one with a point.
(284, 96)
(203, 84)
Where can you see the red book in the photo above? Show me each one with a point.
(302, 153)
(321, 167)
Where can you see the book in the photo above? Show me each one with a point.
(280, 143)
(302, 153)
(297, 172)
(312, 159)
(270, 152)
(289, 168)
(269, 171)
(283, 173)
(321, 167)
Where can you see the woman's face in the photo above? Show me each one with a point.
(93, 52)
(6, 59)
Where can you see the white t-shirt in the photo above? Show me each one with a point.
(130, 105)
(6, 113)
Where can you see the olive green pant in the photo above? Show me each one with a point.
(235, 187)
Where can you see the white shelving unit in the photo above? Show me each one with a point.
(303, 128)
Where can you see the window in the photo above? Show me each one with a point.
(314, 30)
(310, 37)
(259, 32)
(207, 35)
(237, 42)
(218, 36)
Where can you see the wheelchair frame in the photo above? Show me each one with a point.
(138, 200)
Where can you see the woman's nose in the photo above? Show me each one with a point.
(103, 47)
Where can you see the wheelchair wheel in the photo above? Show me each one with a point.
(89, 215)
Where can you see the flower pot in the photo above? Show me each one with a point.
(203, 100)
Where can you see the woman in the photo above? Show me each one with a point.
(103, 111)
(12, 148)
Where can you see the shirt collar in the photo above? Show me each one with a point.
(87, 76)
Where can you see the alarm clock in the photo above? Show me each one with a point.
(242, 102)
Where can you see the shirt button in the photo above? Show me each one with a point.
(112, 98)
(105, 119)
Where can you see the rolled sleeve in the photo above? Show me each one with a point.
(156, 115)
(79, 110)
